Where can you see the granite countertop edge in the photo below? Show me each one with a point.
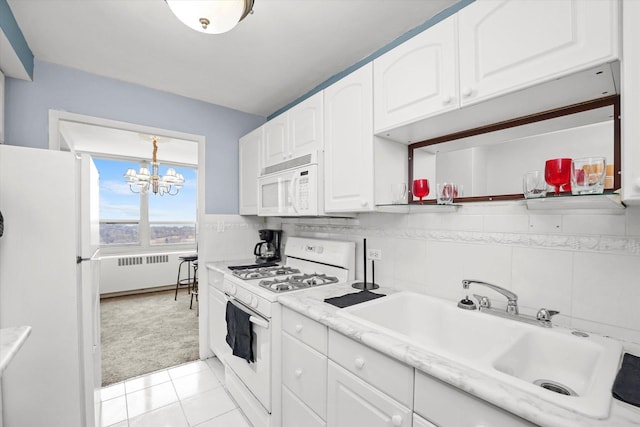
(311, 304)
(11, 340)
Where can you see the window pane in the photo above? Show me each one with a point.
(119, 207)
(163, 234)
(118, 234)
(179, 208)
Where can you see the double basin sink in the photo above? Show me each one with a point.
(569, 369)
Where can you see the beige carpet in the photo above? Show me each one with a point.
(146, 332)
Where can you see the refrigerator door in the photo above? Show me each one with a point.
(39, 288)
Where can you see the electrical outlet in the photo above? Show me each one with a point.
(375, 254)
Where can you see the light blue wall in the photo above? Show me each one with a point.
(27, 106)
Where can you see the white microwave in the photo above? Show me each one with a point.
(292, 188)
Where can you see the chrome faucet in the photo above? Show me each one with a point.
(512, 299)
(542, 318)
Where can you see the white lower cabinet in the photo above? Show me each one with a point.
(448, 406)
(418, 421)
(352, 402)
(305, 373)
(216, 314)
(296, 414)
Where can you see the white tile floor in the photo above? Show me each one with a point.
(188, 395)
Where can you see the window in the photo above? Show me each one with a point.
(172, 219)
(127, 218)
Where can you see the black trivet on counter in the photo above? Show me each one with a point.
(626, 387)
(353, 298)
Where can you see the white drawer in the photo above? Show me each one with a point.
(445, 405)
(305, 329)
(304, 372)
(383, 372)
(297, 414)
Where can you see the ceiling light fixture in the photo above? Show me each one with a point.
(143, 181)
(211, 16)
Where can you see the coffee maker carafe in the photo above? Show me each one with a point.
(268, 250)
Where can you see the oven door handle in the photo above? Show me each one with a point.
(259, 322)
(253, 317)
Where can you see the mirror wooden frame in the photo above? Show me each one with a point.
(613, 100)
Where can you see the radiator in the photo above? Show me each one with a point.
(139, 271)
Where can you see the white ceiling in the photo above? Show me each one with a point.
(280, 52)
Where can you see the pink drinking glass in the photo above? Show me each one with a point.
(420, 188)
(557, 172)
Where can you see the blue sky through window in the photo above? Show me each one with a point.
(117, 202)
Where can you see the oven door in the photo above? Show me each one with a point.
(256, 376)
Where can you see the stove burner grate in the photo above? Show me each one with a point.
(297, 282)
(265, 272)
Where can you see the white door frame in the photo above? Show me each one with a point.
(55, 143)
(55, 117)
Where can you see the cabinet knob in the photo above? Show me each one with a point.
(298, 373)
(359, 362)
(466, 92)
(446, 99)
(254, 302)
(298, 328)
(364, 203)
(396, 420)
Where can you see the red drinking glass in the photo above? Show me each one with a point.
(420, 188)
(557, 172)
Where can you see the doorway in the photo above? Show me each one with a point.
(96, 136)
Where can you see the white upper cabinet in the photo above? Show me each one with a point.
(249, 170)
(294, 133)
(306, 127)
(508, 45)
(631, 104)
(275, 146)
(348, 133)
(418, 78)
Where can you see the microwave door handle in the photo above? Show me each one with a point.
(294, 193)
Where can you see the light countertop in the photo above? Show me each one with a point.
(542, 412)
(11, 339)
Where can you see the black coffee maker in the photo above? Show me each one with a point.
(269, 249)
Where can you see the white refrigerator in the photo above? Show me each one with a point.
(55, 378)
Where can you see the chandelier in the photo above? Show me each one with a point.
(143, 181)
(211, 16)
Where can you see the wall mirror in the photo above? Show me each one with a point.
(489, 161)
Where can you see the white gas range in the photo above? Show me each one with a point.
(309, 263)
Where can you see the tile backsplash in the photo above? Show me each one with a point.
(585, 265)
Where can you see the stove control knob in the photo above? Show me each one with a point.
(359, 363)
(254, 302)
(248, 299)
(232, 289)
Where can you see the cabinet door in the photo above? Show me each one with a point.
(249, 169)
(352, 402)
(296, 414)
(418, 421)
(417, 79)
(631, 105)
(304, 372)
(508, 45)
(217, 324)
(348, 133)
(275, 146)
(306, 127)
